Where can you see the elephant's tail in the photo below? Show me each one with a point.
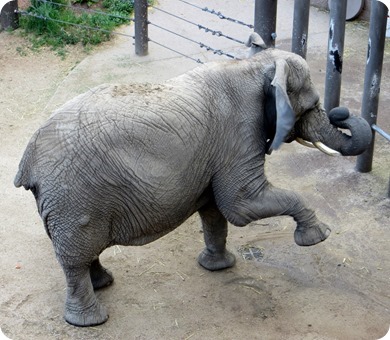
(23, 177)
(18, 182)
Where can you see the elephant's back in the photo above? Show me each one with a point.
(108, 148)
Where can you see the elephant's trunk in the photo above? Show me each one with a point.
(321, 128)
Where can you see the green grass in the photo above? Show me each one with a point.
(58, 35)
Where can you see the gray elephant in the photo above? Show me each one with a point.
(256, 44)
(127, 164)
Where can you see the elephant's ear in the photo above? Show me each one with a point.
(256, 41)
(285, 116)
(270, 118)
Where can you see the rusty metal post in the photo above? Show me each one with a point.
(141, 27)
(265, 20)
(372, 77)
(334, 67)
(300, 27)
(9, 18)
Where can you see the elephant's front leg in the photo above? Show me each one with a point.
(275, 202)
(214, 256)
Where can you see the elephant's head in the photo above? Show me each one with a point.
(294, 112)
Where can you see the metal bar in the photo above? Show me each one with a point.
(388, 190)
(9, 18)
(334, 67)
(384, 134)
(265, 20)
(141, 27)
(372, 77)
(300, 27)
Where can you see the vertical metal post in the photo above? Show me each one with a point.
(265, 20)
(388, 190)
(141, 27)
(372, 77)
(9, 18)
(334, 67)
(300, 27)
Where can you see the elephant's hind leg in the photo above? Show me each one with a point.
(214, 256)
(82, 308)
(100, 276)
(76, 251)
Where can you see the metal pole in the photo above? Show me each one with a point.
(265, 20)
(9, 18)
(388, 190)
(372, 77)
(141, 27)
(300, 27)
(334, 66)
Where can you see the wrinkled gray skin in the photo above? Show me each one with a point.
(126, 164)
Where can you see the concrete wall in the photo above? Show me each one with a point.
(365, 15)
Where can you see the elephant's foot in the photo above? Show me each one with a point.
(94, 315)
(309, 236)
(214, 261)
(100, 276)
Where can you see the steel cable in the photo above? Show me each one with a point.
(200, 44)
(219, 14)
(86, 10)
(182, 54)
(206, 29)
(208, 48)
(38, 16)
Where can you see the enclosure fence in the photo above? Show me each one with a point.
(265, 16)
(141, 47)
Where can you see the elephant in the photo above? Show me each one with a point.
(256, 44)
(125, 164)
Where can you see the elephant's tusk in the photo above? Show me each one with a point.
(325, 149)
(305, 143)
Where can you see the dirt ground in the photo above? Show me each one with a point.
(338, 289)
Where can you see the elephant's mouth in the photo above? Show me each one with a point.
(337, 133)
(320, 146)
(316, 144)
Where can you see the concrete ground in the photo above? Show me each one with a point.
(338, 289)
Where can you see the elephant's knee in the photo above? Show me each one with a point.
(239, 215)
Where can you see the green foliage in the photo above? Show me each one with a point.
(68, 25)
(119, 7)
